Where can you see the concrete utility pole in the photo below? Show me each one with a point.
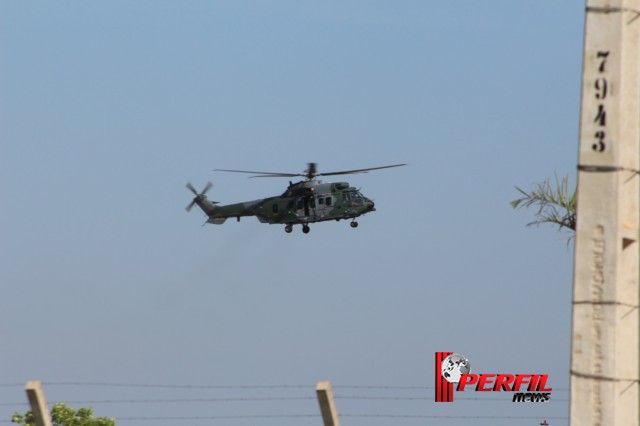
(38, 403)
(604, 353)
(327, 404)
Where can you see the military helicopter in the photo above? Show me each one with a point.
(303, 202)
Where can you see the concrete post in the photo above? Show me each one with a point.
(604, 352)
(38, 403)
(327, 404)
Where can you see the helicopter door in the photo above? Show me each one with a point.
(306, 208)
(302, 208)
(323, 205)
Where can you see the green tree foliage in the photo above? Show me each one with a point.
(61, 415)
(555, 203)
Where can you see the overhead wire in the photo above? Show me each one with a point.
(259, 399)
(240, 399)
(174, 400)
(294, 416)
(170, 386)
(250, 386)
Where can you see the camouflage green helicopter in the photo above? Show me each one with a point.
(303, 202)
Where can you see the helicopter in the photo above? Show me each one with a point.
(304, 202)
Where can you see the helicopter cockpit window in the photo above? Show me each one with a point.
(353, 198)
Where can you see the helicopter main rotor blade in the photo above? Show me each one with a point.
(312, 170)
(349, 172)
(279, 175)
(310, 173)
(261, 174)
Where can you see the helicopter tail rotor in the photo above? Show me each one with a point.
(199, 196)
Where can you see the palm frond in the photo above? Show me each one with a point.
(555, 203)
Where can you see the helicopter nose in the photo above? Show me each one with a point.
(371, 205)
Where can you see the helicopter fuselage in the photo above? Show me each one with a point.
(302, 203)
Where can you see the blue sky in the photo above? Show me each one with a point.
(109, 108)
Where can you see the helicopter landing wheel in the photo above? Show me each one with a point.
(306, 229)
(354, 224)
(288, 229)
